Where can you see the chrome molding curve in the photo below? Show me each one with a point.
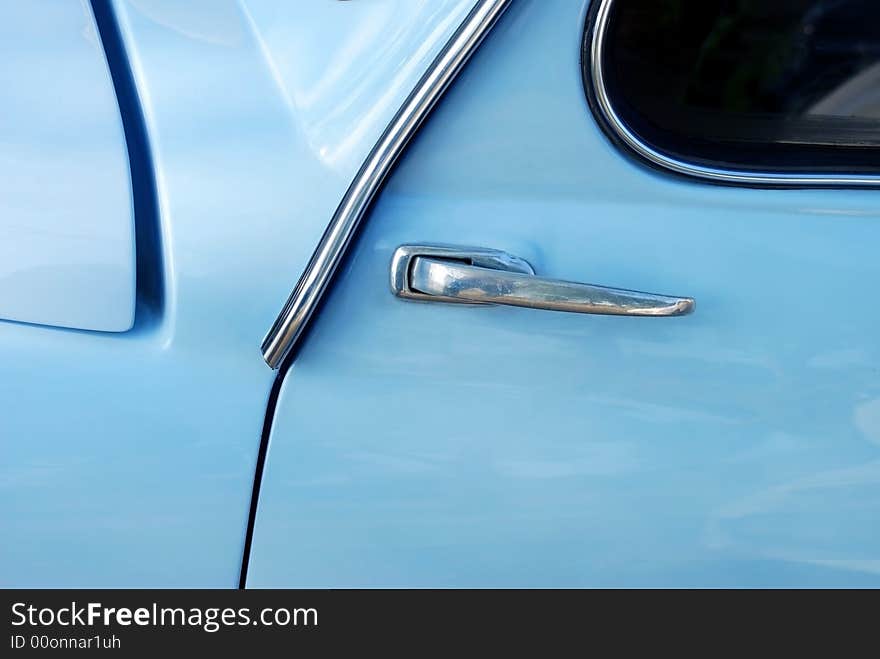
(656, 157)
(291, 322)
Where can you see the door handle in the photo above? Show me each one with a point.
(443, 273)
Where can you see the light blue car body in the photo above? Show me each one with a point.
(424, 444)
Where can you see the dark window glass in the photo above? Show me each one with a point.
(758, 84)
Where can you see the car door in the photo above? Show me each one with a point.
(429, 443)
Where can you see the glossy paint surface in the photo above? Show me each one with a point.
(128, 460)
(422, 444)
(343, 69)
(66, 225)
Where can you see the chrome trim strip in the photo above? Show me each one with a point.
(301, 304)
(656, 157)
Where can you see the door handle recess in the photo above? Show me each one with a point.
(477, 275)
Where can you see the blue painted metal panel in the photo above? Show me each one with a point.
(128, 460)
(66, 225)
(437, 445)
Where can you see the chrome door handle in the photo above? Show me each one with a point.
(483, 276)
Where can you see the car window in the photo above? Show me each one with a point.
(791, 85)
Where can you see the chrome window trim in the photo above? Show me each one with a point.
(291, 322)
(665, 161)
